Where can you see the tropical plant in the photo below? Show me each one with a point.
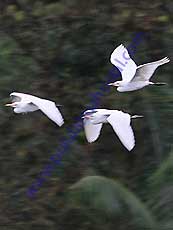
(111, 198)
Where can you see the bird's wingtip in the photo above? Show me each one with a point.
(60, 124)
(166, 59)
(130, 148)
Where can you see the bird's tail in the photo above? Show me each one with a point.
(137, 116)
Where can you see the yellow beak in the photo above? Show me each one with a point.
(9, 104)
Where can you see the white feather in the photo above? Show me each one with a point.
(47, 107)
(92, 131)
(128, 66)
(120, 122)
(144, 72)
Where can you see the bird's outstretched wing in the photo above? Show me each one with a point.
(49, 108)
(92, 131)
(121, 124)
(144, 72)
(121, 59)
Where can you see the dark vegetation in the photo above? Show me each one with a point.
(60, 50)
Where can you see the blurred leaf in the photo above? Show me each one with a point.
(111, 198)
(164, 174)
(163, 18)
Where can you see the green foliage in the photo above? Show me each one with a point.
(164, 174)
(111, 198)
(60, 50)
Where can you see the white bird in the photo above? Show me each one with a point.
(133, 77)
(120, 122)
(23, 103)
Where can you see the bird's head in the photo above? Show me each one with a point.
(116, 83)
(13, 105)
(89, 114)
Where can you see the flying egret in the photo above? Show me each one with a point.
(120, 122)
(133, 77)
(23, 103)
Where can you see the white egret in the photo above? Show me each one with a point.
(133, 77)
(23, 103)
(120, 122)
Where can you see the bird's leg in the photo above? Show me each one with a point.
(136, 116)
(160, 83)
(157, 83)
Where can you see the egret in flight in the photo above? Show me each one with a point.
(24, 103)
(120, 122)
(133, 77)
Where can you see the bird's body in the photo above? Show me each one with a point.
(98, 116)
(133, 77)
(132, 86)
(120, 121)
(25, 108)
(24, 103)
